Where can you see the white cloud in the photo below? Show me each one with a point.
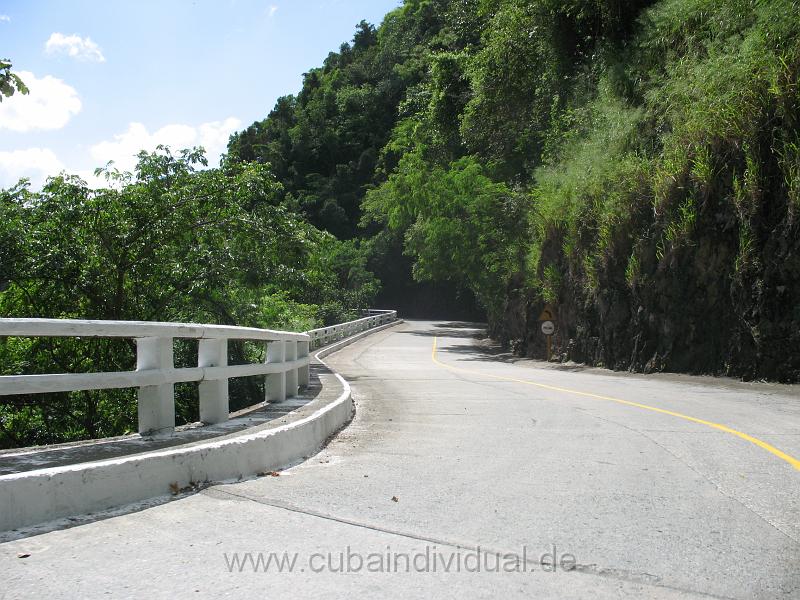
(272, 10)
(74, 46)
(125, 146)
(37, 164)
(4, 18)
(50, 104)
(34, 163)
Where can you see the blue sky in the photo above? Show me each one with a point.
(108, 77)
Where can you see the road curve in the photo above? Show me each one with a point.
(476, 472)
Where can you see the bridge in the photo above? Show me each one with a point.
(464, 472)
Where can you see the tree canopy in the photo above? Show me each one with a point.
(10, 82)
(169, 242)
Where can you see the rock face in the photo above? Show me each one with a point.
(723, 299)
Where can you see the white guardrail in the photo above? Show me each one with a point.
(327, 335)
(286, 365)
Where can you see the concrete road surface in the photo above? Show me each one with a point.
(467, 474)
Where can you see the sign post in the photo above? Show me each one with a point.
(548, 327)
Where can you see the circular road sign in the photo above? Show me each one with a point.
(548, 328)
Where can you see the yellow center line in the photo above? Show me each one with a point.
(749, 438)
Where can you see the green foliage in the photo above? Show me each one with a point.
(514, 76)
(168, 243)
(10, 82)
(160, 246)
(551, 284)
(622, 132)
(642, 135)
(325, 142)
(459, 225)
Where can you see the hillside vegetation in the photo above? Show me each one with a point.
(634, 164)
(166, 243)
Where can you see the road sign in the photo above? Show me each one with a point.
(548, 328)
(548, 314)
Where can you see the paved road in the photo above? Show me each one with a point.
(652, 487)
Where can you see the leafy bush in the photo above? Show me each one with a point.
(168, 243)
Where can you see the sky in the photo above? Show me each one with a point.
(110, 77)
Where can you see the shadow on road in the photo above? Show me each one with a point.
(453, 330)
(487, 350)
(483, 350)
(461, 325)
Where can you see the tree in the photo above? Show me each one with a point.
(10, 82)
(459, 225)
(170, 242)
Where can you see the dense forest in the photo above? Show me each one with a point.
(636, 165)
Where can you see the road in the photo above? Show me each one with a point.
(485, 477)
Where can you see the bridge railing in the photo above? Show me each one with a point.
(375, 318)
(286, 363)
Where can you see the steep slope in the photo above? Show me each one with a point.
(636, 164)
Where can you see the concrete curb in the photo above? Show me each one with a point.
(34, 497)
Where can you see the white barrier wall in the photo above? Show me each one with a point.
(155, 375)
(33, 497)
(326, 335)
(285, 367)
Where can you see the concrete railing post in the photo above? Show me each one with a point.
(214, 404)
(291, 374)
(156, 402)
(275, 388)
(303, 349)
